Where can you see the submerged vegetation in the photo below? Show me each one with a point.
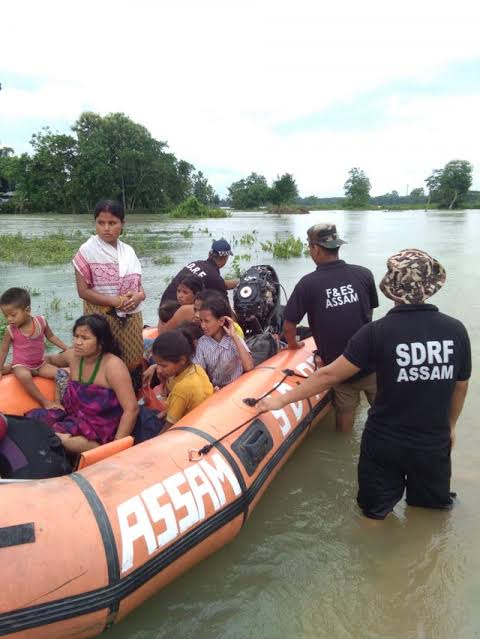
(283, 247)
(192, 208)
(289, 246)
(59, 247)
(163, 260)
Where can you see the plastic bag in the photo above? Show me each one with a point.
(152, 398)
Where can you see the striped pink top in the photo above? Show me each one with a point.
(29, 351)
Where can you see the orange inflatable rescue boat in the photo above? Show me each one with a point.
(80, 552)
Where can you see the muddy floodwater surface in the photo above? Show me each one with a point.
(304, 565)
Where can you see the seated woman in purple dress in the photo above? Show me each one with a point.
(99, 402)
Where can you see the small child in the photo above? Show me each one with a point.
(167, 310)
(27, 335)
(188, 384)
(221, 351)
(186, 290)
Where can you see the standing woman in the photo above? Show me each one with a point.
(109, 281)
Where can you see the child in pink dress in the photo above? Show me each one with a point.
(27, 335)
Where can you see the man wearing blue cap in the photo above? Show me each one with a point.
(208, 270)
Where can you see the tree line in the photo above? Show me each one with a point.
(113, 156)
(445, 188)
(253, 191)
(110, 156)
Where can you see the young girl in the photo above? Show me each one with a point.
(206, 294)
(27, 335)
(188, 384)
(187, 288)
(221, 352)
(99, 402)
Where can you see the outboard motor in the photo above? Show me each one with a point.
(256, 300)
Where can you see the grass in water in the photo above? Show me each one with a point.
(235, 270)
(288, 247)
(192, 208)
(248, 239)
(59, 248)
(163, 260)
(34, 292)
(55, 304)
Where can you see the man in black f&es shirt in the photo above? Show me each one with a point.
(338, 299)
(423, 363)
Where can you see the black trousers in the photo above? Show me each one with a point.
(387, 468)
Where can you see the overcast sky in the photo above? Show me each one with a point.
(310, 88)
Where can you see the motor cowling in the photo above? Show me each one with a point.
(256, 300)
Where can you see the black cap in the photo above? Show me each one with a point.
(221, 247)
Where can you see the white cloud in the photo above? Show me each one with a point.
(214, 79)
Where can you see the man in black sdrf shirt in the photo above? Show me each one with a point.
(338, 299)
(423, 363)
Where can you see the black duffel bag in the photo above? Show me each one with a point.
(30, 449)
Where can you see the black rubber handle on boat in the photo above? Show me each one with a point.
(251, 401)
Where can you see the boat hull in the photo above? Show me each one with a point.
(81, 552)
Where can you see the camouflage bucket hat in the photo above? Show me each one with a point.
(412, 277)
(324, 235)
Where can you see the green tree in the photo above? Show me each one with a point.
(249, 193)
(203, 191)
(357, 188)
(433, 185)
(449, 186)
(45, 180)
(107, 156)
(8, 169)
(455, 180)
(417, 195)
(119, 158)
(284, 190)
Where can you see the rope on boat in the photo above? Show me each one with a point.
(196, 453)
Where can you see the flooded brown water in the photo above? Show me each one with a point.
(304, 565)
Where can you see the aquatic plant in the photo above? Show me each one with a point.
(248, 239)
(188, 232)
(57, 248)
(55, 304)
(193, 208)
(163, 260)
(34, 292)
(290, 246)
(235, 269)
(143, 242)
